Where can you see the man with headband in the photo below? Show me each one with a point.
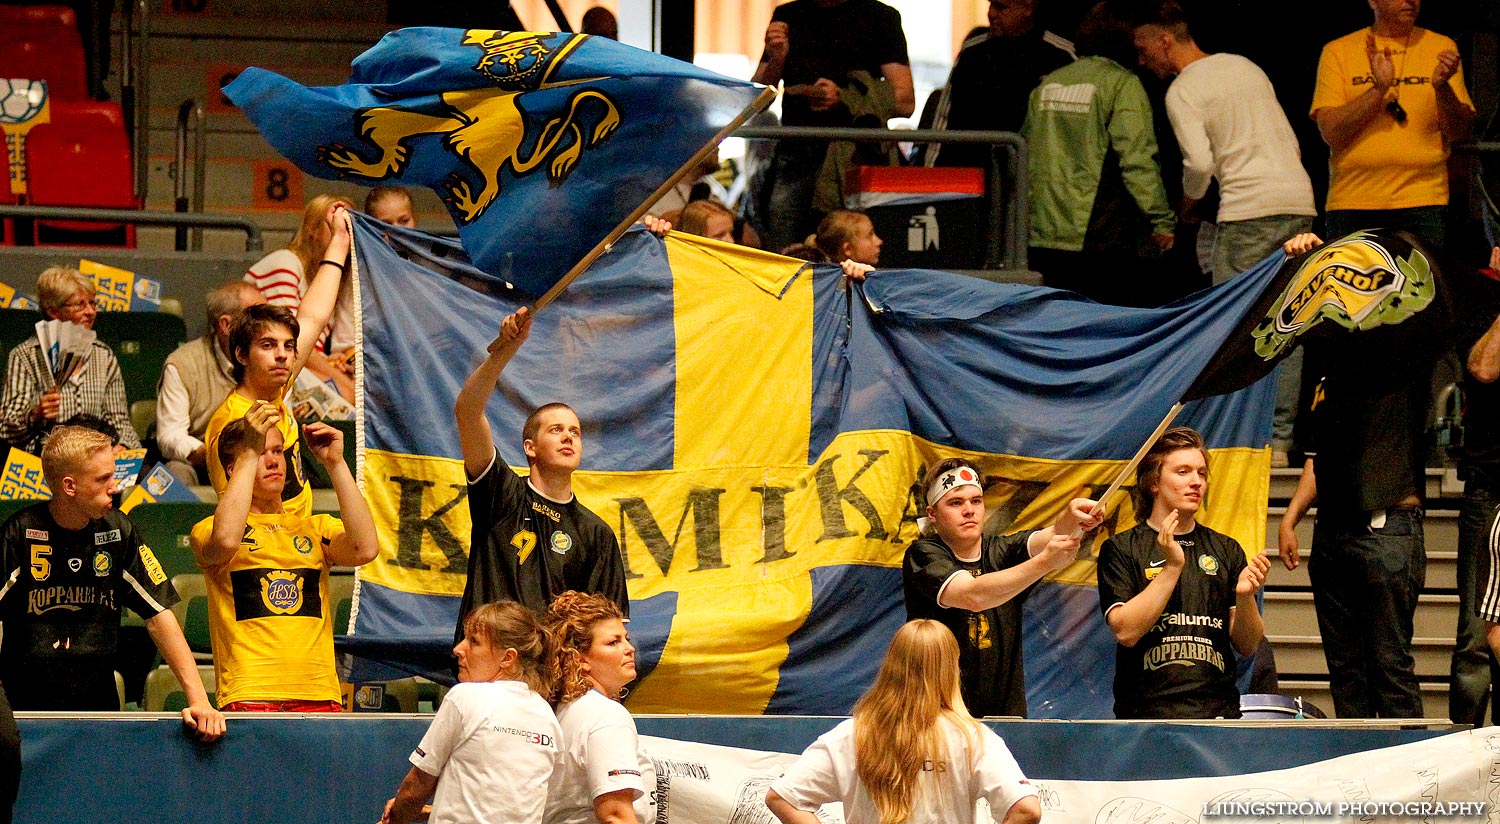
(975, 584)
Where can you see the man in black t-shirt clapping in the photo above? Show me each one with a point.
(1178, 596)
(974, 584)
(531, 538)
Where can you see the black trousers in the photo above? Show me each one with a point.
(10, 759)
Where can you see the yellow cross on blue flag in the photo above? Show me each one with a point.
(756, 431)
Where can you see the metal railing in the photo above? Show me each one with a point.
(140, 217)
(135, 91)
(1010, 215)
(190, 110)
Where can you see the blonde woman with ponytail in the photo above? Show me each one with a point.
(493, 747)
(911, 753)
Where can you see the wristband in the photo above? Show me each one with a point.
(334, 263)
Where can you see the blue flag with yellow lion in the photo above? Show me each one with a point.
(579, 129)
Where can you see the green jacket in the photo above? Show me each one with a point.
(1076, 115)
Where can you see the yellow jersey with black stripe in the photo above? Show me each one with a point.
(269, 615)
(296, 495)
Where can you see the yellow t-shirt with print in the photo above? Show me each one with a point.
(296, 496)
(269, 616)
(1389, 165)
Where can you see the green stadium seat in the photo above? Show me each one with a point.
(400, 696)
(165, 528)
(192, 614)
(341, 592)
(429, 695)
(9, 508)
(347, 427)
(16, 325)
(141, 342)
(165, 694)
(143, 418)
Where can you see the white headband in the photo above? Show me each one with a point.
(951, 480)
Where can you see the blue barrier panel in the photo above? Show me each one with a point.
(131, 767)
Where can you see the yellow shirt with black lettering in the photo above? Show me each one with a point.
(1389, 165)
(296, 496)
(269, 614)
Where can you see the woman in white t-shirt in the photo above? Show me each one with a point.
(495, 742)
(604, 776)
(911, 753)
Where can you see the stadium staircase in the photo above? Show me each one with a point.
(192, 53)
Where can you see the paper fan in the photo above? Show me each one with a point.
(65, 346)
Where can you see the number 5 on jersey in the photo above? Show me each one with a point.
(524, 542)
(40, 566)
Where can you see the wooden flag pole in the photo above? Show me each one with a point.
(1099, 505)
(764, 100)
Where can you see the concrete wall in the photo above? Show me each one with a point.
(187, 276)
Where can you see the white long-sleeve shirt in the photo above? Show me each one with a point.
(174, 405)
(1230, 126)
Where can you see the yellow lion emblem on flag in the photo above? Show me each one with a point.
(488, 128)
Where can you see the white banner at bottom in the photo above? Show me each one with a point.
(1452, 778)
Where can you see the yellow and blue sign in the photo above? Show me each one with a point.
(119, 290)
(11, 299)
(157, 486)
(23, 478)
(755, 433)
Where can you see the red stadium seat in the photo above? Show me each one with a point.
(80, 165)
(38, 15)
(50, 34)
(7, 225)
(57, 61)
(98, 113)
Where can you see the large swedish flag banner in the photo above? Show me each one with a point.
(755, 433)
(580, 129)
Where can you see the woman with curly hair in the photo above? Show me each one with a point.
(604, 776)
(494, 741)
(911, 753)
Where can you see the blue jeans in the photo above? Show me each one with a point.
(1426, 222)
(789, 217)
(1238, 246)
(1365, 584)
(1473, 668)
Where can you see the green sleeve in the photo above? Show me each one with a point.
(1133, 136)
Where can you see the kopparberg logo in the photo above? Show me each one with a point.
(1355, 282)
